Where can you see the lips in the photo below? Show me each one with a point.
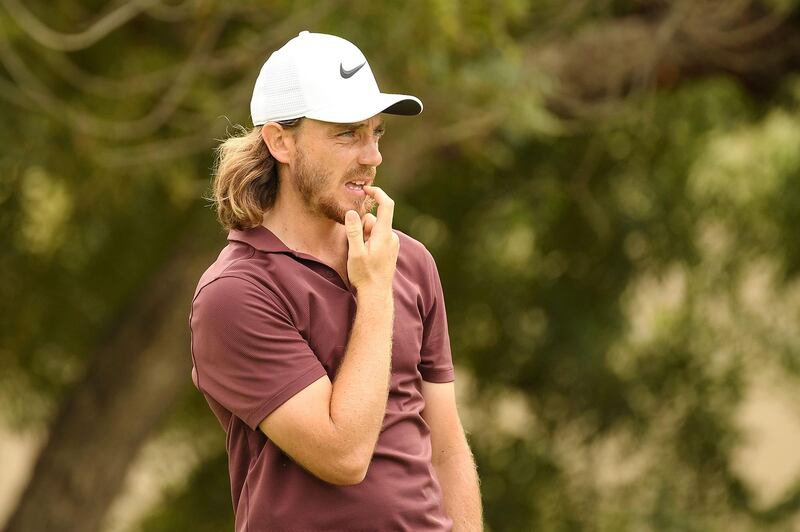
(359, 182)
(357, 186)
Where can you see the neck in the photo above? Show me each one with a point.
(304, 231)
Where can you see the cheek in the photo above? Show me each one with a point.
(333, 165)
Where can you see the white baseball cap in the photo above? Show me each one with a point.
(323, 77)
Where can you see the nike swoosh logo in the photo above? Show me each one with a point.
(349, 73)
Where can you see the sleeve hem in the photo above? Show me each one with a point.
(438, 375)
(287, 392)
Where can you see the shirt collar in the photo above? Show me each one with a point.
(260, 238)
(265, 240)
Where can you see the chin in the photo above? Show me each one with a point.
(336, 210)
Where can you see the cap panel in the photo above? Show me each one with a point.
(278, 94)
(332, 69)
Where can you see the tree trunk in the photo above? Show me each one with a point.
(129, 386)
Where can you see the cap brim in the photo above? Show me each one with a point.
(345, 112)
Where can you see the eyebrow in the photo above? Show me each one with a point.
(359, 125)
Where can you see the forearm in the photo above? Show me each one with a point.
(361, 386)
(458, 478)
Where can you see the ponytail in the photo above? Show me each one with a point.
(245, 179)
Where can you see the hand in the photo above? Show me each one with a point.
(372, 245)
(368, 222)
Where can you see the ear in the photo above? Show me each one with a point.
(280, 141)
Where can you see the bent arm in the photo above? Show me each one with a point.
(331, 429)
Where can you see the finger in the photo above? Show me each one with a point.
(383, 223)
(369, 223)
(352, 226)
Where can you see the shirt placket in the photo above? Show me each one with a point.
(324, 270)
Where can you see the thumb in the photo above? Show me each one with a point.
(352, 226)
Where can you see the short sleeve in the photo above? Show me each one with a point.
(436, 360)
(249, 356)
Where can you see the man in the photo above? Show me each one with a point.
(319, 335)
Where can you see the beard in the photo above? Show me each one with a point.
(314, 185)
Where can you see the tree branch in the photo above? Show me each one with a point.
(70, 42)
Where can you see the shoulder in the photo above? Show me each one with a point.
(241, 285)
(417, 262)
(413, 250)
(238, 270)
(231, 296)
(232, 307)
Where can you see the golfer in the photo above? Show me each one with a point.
(319, 334)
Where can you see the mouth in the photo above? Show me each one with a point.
(357, 187)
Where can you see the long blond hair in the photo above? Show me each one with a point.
(245, 182)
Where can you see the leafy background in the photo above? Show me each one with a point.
(610, 190)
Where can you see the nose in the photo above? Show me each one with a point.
(370, 154)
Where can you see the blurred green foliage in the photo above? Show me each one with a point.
(613, 282)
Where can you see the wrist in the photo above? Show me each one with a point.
(375, 295)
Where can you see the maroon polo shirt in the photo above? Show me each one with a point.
(266, 322)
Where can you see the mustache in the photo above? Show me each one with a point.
(360, 173)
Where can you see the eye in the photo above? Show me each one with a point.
(379, 132)
(348, 133)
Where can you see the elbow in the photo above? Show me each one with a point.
(347, 479)
(349, 470)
